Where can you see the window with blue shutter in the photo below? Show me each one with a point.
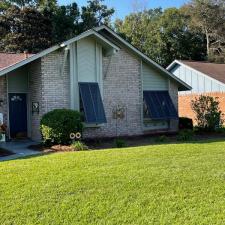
(158, 105)
(91, 102)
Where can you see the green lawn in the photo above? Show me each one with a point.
(161, 184)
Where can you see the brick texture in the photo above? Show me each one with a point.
(185, 103)
(49, 86)
(121, 89)
(35, 95)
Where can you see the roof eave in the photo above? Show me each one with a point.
(183, 86)
(54, 48)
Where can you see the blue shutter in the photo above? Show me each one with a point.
(160, 105)
(92, 103)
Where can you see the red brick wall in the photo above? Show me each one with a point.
(184, 102)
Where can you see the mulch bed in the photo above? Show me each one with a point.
(54, 148)
(99, 144)
(4, 152)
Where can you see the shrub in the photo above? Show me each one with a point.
(120, 143)
(208, 114)
(185, 135)
(79, 146)
(185, 123)
(57, 125)
(161, 139)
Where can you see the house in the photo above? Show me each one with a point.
(204, 77)
(97, 73)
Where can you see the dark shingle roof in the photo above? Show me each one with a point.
(214, 70)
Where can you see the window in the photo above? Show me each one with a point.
(91, 103)
(158, 105)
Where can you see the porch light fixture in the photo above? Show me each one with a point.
(35, 107)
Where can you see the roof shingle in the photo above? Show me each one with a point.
(214, 70)
(9, 59)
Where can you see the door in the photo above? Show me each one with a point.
(18, 115)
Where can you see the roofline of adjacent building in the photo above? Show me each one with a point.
(193, 69)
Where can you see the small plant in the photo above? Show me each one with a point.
(209, 117)
(120, 143)
(161, 139)
(3, 128)
(220, 130)
(185, 135)
(79, 146)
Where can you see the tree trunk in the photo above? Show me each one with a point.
(207, 42)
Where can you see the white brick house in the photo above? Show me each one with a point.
(120, 90)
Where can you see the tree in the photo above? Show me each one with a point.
(163, 36)
(95, 14)
(209, 17)
(27, 30)
(140, 29)
(34, 25)
(208, 114)
(65, 22)
(177, 40)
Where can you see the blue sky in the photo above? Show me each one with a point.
(124, 7)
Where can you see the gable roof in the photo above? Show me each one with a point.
(96, 32)
(23, 62)
(183, 85)
(9, 59)
(213, 70)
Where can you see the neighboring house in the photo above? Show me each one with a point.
(204, 77)
(98, 73)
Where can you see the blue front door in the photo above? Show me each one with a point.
(18, 115)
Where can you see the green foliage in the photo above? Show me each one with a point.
(95, 14)
(79, 146)
(65, 20)
(168, 30)
(220, 130)
(185, 123)
(161, 139)
(25, 29)
(185, 135)
(120, 143)
(208, 17)
(57, 125)
(34, 25)
(208, 115)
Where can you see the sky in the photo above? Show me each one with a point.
(124, 7)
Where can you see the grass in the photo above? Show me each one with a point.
(161, 184)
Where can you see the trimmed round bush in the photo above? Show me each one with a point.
(57, 125)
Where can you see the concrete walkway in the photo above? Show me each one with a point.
(19, 148)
